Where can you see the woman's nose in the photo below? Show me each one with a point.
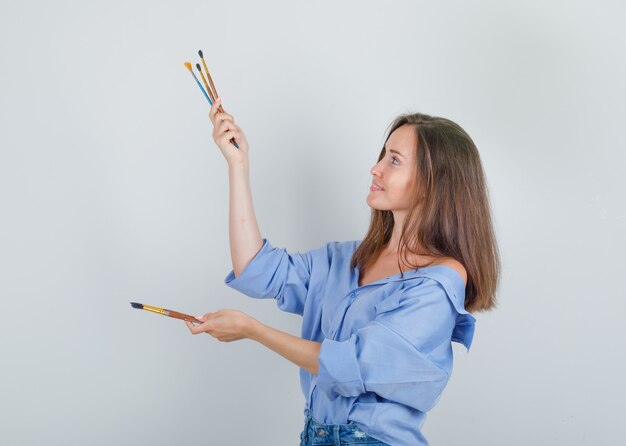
(377, 169)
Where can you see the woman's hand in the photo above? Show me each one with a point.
(225, 325)
(232, 325)
(224, 129)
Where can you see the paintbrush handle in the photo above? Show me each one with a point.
(210, 102)
(182, 316)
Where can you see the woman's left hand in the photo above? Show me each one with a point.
(225, 325)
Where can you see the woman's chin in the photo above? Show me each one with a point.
(372, 203)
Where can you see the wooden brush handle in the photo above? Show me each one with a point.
(182, 316)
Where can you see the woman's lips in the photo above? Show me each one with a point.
(375, 189)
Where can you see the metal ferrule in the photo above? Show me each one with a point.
(154, 309)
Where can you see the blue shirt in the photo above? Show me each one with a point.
(386, 352)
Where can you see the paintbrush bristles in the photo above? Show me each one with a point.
(188, 65)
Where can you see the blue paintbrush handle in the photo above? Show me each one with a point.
(202, 88)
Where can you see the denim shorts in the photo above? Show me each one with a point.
(318, 434)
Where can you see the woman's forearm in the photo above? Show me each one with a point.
(301, 352)
(245, 236)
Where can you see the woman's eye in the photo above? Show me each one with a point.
(394, 158)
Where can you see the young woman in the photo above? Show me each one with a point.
(379, 314)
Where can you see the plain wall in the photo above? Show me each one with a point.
(112, 190)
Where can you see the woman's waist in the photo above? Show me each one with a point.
(372, 414)
(316, 432)
(340, 410)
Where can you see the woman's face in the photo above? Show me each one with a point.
(395, 172)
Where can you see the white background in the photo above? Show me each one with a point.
(112, 190)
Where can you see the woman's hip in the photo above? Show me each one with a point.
(320, 434)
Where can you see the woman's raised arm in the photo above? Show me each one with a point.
(245, 236)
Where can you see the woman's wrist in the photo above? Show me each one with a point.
(239, 165)
(254, 329)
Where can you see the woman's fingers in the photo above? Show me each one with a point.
(205, 326)
(225, 132)
(216, 116)
(223, 139)
(224, 325)
(214, 109)
(194, 329)
(223, 116)
(224, 126)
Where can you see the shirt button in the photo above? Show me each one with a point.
(352, 295)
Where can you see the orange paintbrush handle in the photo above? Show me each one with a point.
(183, 316)
(208, 75)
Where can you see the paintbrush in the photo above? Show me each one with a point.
(188, 65)
(208, 74)
(165, 312)
(208, 89)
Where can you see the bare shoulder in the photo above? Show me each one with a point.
(456, 265)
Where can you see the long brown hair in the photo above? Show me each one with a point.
(450, 215)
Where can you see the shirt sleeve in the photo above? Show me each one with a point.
(390, 355)
(275, 273)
